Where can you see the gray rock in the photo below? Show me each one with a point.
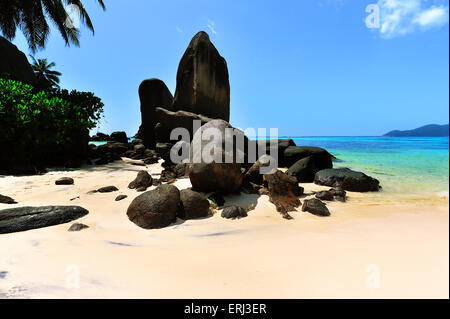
(234, 212)
(25, 218)
(195, 205)
(77, 227)
(157, 208)
(315, 207)
(202, 80)
(347, 180)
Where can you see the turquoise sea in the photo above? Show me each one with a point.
(415, 166)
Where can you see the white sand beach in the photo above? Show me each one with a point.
(373, 246)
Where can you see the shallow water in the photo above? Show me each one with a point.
(412, 166)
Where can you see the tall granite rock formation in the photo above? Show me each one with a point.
(14, 62)
(152, 93)
(202, 80)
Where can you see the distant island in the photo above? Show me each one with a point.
(432, 130)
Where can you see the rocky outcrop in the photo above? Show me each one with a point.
(303, 170)
(157, 208)
(347, 179)
(26, 218)
(321, 158)
(152, 93)
(214, 177)
(315, 207)
(15, 63)
(202, 80)
(168, 120)
(283, 192)
(194, 205)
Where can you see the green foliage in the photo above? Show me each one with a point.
(33, 122)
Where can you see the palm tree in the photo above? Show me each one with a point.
(31, 16)
(46, 78)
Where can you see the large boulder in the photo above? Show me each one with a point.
(347, 179)
(283, 192)
(25, 218)
(168, 120)
(157, 208)
(303, 170)
(215, 175)
(15, 63)
(202, 80)
(195, 205)
(322, 159)
(152, 93)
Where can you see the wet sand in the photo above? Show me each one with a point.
(373, 246)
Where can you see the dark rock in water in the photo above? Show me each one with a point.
(217, 199)
(120, 137)
(6, 200)
(152, 93)
(202, 80)
(120, 197)
(254, 175)
(234, 212)
(325, 195)
(64, 181)
(347, 180)
(215, 177)
(143, 180)
(303, 170)
(157, 208)
(283, 190)
(278, 146)
(107, 189)
(25, 218)
(14, 62)
(315, 207)
(322, 159)
(168, 120)
(77, 227)
(195, 205)
(339, 194)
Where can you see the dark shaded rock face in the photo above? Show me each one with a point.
(280, 146)
(120, 197)
(143, 180)
(325, 195)
(26, 218)
(120, 137)
(168, 120)
(6, 200)
(15, 63)
(152, 93)
(283, 192)
(321, 158)
(64, 181)
(211, 177)
(339, 194)
(202, 80)
(303, 170)
(195, 205)
(315, 207)
(234, 212)
(217, 199)
(347, 180)
(157, 208)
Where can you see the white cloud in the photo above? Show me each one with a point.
(400, 17)
(211, 26)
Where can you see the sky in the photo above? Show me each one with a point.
(308, 68)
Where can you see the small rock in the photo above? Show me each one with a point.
(325, 195)
(107, 189)
(143, 180)
(121, 197)
(64, 181)
(315, 207)
(234, 212)
(141, 189)
(7, 200)
(77, 227)
(339, 194)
